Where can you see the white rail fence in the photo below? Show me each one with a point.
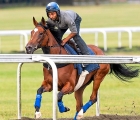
(23, 36)
(52, 59)
(95, 31)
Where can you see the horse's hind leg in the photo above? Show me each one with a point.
(79, 100)
(98, 78)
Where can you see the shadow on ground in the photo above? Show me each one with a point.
(101, 117)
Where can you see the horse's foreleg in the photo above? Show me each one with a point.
(38, 99)
(66, 89)
(61, 106)
(45, 87)
(37, 103)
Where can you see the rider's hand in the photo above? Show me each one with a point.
(63, 42)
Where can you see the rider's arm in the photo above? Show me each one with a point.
(65, 40)
(72, 26)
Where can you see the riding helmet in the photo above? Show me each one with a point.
(51, 7)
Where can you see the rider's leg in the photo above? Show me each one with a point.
(81, 44)
(79, 41)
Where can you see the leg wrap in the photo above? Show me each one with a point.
(87, 105)
(60, 103)
(75, 116)
(61, 107)
(38, 101)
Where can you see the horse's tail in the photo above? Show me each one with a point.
(124, 72)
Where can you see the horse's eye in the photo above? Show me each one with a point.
(40, 34)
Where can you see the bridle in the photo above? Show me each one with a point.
(44, 32)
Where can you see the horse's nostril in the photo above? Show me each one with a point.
(28, 47)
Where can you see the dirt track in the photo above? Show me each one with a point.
(101, 117)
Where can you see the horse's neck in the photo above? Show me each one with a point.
(52, 41)
(55, 48)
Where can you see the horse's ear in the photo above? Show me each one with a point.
(34, 21)
(43, 21)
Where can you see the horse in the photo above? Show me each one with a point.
(43, 37)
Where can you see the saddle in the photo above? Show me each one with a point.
(72, 48)
(73, 44)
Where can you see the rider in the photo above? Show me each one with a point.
(60, 21)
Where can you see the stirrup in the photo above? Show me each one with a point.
(85, 64)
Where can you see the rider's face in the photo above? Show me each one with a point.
(52, 15)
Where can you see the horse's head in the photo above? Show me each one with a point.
(38, 38)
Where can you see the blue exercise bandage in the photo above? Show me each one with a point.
(75, 116)
(61, 107)
(87, 105)
(38, 101)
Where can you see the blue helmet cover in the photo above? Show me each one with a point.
(52, 6)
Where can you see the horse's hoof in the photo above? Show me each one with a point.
(80, 115)
(37, 115)
(67, 109)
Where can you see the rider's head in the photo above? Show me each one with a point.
(53, 10)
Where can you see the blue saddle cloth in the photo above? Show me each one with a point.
(91, 67)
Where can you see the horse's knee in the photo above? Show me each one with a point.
(60, 96)
(40, 90)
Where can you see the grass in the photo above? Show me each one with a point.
(116, 97)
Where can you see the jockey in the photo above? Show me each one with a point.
(60, 21)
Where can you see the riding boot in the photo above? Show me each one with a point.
(82, 46)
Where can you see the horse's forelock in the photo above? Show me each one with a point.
(45, 27)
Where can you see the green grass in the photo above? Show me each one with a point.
(116, 97)
(114, 15)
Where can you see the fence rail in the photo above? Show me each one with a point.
(95, 31)
(52, 59)
(28, 58)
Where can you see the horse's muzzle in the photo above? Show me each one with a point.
(30, 49)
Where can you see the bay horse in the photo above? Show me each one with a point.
(42, 37)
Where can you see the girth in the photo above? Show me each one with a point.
(58, 65)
